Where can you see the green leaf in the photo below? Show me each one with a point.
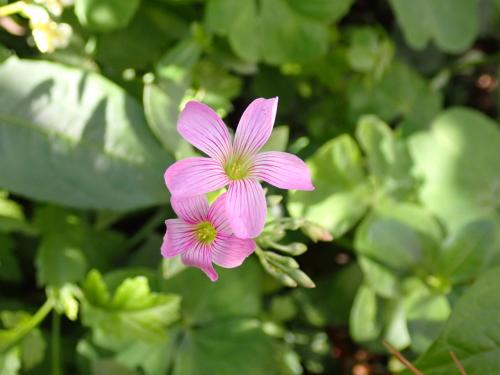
(341, 192)
(468, 252)
(32, 345)
(212, 350)
(396, 330)
(133, 313)
(389, 242)
(10, 362)
(12, 216)
(363, 322)
(388, 158)
(457, 160)
(105, 15)
(383, 280)
(472, 332)
(451, 24)
(4, 53)
(203, 301)
(105, 159)
(162, 106)
(426, 311)
(278, 140)
(301, 33)
(399, 92)
(368, 52)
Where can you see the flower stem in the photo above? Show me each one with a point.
(56, 343)
(12, 8)
(11, 337)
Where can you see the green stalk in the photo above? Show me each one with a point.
(56, 343)
(10, 338)
(12, 8)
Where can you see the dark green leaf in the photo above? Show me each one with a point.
(105, 15)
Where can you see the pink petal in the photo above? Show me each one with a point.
(218, 217)
(195, 176)
(191, 209)
(246, 208)
(178, 237)
(205, 130)
(282, 170)
(230, 251)
(255, 126)
(200, 256)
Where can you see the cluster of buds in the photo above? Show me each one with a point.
(48, 35)
(283, 266)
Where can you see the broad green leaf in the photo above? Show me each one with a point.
(368, 52)
(162, 107)
(468, 252)
(458, 162)
(224, 346)
(300, 34)
(12, 216)
(85, 141)
(324, 10)
(396, 329)
(105, 15)
(176, 63)
(383, 280)
(341, 192)
(235, 294)
(363, 322)
(472, 332)
(451, 24)
(147, 37)
(389, 242)
(399, 92)
(388, 158)
(426, 311)
(133, 313)
(278, 140)
(69, 245)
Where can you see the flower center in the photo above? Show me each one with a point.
(205, 233)
(237, 168)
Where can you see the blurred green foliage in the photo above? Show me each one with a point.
(393, 104)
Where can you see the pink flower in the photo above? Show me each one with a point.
(235, 164)
(202, 235)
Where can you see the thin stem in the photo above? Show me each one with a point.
(402, 359)
(12, 337)
(146, 229)
(458, 364)
(12, 8)
(56, 343)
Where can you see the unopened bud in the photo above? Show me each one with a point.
(316, 232)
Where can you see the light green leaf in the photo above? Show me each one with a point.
(399, 92)
(227, 345)
(389, 242)
(388, 158)
(381, 279)
(363, 322)
(105, 159)
(254, 33)
(458, 161)
(426, 311)
(278, 140)
(10, 362)
(105, 15)
(12, 216)
(133, 313)
(396, 330)
(451, 24)
(472, 332)
(203, 301)
(341, 192)
(468, 252)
